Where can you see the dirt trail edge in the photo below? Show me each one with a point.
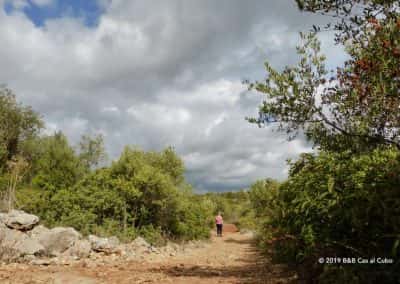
(228, 259)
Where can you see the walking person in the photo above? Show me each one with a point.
(219, 221)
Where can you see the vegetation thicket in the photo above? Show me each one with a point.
(343, 200)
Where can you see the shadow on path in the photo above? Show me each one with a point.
(246, 274)
(251, 268)
(242, 242)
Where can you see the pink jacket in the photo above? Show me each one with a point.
(219, 220)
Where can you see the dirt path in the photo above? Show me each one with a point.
(230, 259)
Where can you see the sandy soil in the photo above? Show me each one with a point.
(228, 259)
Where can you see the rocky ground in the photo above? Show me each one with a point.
(230, 259)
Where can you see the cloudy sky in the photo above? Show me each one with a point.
(158, 73)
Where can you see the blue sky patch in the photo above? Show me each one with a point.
(87, 10)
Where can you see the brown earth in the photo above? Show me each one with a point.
(228, 259)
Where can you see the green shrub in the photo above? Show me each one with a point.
(140, 193)
(153, 235)
(340, 204)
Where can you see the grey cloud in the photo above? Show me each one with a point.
(159, 73)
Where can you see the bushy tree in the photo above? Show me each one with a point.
(356, 107)
(140, 193)
(57, 165)
(18, 124)
(91, 151)
(339, 204)
(193, 217)
(262, 196)
(153, 179)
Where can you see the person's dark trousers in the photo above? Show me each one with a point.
(219, 230)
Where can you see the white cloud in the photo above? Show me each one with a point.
(154, 74)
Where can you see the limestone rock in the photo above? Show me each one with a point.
(38, 231)
(3, 217)
(57, 240)
(20, 220)
(28, 246)
(170, 249)
(140, 242)
(15, 244)
(139, 248)
(106, 245)
(80, 249)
